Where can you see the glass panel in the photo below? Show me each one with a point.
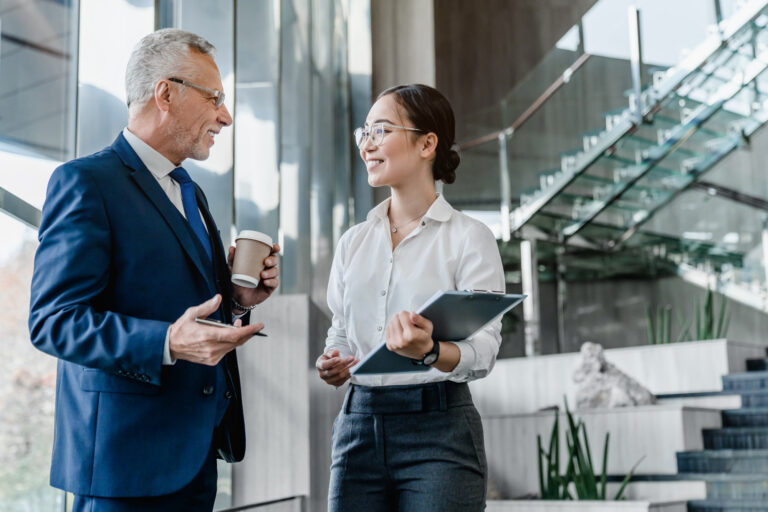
(109, 29)
(27, 384)
(37, 83)
(295, 137)
(257, 113)
(213, 21)
(727, 234)
(38, 45)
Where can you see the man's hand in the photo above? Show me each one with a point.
(333, 369)
(409, 335)
(199, 343)
(268, 280)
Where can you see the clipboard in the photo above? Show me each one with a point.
(455, 314)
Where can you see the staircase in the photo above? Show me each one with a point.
(734, 462)
(607, 191)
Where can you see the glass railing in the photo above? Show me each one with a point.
(583, 153)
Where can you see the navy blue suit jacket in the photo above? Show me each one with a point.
(116, 265)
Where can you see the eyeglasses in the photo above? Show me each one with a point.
(376, 133)
(215, 93)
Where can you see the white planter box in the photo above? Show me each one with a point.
(584, 506)
(528, 384)
(656, 432)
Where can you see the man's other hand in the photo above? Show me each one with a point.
(268, 280)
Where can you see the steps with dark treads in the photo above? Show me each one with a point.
(747, 381)
(723, 461)
(757, 365)
(727, 506)
(736, 438)
(752, 417)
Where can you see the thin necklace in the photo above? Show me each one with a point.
(402, 224)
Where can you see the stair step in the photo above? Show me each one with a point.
(753, 417)
(752, 380)
(725, 486)
(736, 438)
(752, 399)
(757, 365)
(723, 461)
(727, 506)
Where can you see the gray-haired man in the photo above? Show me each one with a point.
(129, 256)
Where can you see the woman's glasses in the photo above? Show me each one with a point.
(377, 132)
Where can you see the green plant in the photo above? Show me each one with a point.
(662, 331)
(580, 470)
(706, 325)
(552, 486)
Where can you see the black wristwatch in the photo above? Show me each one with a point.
(430, 357)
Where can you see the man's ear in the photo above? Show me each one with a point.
(428, 145)
(163, 95)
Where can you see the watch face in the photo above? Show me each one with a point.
(430, 358)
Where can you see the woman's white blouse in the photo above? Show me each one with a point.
(370, 283)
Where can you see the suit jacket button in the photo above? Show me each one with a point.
(228, 394)
(208, 390)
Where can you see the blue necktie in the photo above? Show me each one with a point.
(189, 200)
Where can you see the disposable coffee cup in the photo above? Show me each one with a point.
(251, 248)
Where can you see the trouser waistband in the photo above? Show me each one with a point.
(435, 396)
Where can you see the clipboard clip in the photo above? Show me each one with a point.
(486, 291)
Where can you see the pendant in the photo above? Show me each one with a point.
(394, 229)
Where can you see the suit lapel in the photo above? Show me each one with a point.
(148, 184)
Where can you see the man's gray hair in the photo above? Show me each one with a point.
(161, 54)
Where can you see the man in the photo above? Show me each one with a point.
(129, 256)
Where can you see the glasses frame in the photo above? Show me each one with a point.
(215, 93)
(364, 135)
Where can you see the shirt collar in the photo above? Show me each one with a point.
(158, 165)
(440, 210)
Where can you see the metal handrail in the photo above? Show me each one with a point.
(256, 506)
(563, 79)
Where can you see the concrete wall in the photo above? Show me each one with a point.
(402, 33)
(276, 401)
(484, 48)
(655, 432)
(612, 313)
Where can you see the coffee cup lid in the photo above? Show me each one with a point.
(255, 235)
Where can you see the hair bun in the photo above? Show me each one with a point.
(448, 174)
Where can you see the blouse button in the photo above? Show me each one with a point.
(379, 328)
(383, 292)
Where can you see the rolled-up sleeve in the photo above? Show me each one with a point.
(337, 333)
(480, 268)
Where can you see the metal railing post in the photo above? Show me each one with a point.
(636, 60)
(505, 184)
(529, 270)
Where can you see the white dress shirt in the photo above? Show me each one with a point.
(370, 283)
(161, 168)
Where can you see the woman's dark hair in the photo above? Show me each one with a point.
(430, 111)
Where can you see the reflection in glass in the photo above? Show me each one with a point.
(27, 384)
(37, 83)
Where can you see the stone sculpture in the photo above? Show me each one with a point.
(601, 384)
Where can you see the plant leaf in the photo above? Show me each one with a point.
(627, 479)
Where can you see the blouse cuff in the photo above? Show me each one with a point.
(463, 369)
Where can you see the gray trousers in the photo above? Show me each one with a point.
(408, 449)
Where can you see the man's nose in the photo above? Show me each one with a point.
(224, 117)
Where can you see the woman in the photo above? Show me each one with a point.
(408, 442)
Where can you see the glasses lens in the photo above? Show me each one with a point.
(359, 137)
(377, 134)
(220, 99)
